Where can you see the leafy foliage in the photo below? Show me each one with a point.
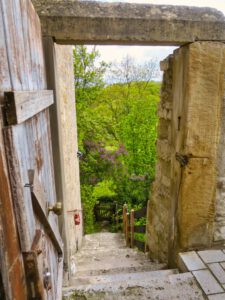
(116, 130)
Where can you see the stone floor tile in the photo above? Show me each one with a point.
(212, 256)
(207, 282)
(218, 272)
(217, 297)
(223, 265)
(192, 261)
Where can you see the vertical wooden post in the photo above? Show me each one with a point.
(132, 228)
(116, 215)
(124, 217)
(128, 229)
(146, 229)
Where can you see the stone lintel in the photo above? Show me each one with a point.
(72, 22)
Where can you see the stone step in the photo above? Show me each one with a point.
(94, 270)
(114, 251)
(177, 286)
(79, 281)
(114, 261)
(101, 255)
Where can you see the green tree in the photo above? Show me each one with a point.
(88, 87)
(116, 130)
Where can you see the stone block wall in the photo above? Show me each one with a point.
(66, 108)
(159, 205)
(187, 207)
(219, 218)
(60, 78)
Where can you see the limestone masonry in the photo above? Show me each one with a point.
(125, 23)
(187, 207)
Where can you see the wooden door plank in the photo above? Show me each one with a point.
(14, 42)
(60, 279)
(16, 150)
(27, 17)
(4, 67)
(22, 29)
(39, 199)
(38, 190)
(41, 74)
(22, 68)
(50, 227)
(33, 35)
(36, 241)
(40, 152)
(28, 148)
(11, 264)
(22, 105)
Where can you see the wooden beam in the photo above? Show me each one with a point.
(74, 22)
(127, 235)
(124, 218)
(38, 200)
(38, 190)
(22, 105)
(132, 228)
(36, 240)
(60, 279)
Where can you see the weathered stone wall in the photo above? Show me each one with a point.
(159, 206)
(189, 212)
(60, 77)
(219, 219)
(68, 143)
(203, 96)
(96, 22)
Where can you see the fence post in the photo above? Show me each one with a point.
(128, 229)
(146, 228)
(132, 228)
(124, 218)
(116, 216)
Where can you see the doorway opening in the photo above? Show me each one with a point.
(117, 94)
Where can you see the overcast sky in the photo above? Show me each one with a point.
(142, 53)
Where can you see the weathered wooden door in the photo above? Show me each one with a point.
(32, 267)
(29, 155)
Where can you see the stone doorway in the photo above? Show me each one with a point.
(186, 210)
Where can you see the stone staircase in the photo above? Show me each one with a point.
(107, 269)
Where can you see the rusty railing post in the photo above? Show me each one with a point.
(124, 218)
(132, 228)
(116, 216)
(127, 229)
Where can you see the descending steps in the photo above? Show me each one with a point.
(82, 281)
(107, 270)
